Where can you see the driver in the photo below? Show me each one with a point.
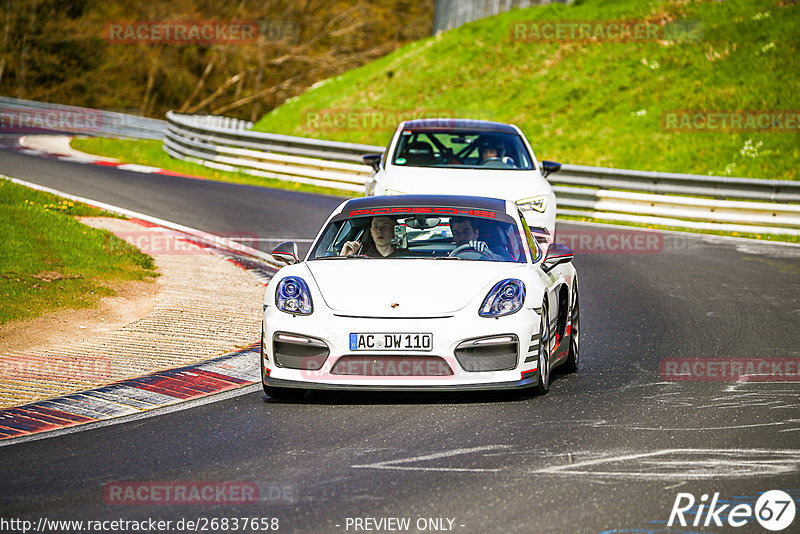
(490, 151)
(465, 233)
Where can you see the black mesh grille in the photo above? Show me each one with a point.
(383, 365)
(495, 357)
(304, 356)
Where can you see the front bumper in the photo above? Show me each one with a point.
(530, 381)
(448, 333)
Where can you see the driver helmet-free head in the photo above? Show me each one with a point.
(490, 143)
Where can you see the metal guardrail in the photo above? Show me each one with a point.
(27, 116)
(683, 200)
(450, 14)
(298, 159)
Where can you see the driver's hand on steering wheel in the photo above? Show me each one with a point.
(480, 246)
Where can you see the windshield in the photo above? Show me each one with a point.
(421, 236)
(461, 149)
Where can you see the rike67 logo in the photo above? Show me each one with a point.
(774, 510)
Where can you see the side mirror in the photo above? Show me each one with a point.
(549, 167)
(373, 160)
(556, 255)
(286, 252)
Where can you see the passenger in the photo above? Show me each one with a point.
(377, 243)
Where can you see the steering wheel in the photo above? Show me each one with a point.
(466, 247)
(495, 159)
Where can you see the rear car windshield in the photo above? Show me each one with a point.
(462, 149)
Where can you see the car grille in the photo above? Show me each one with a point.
(488, 354)
(395, 366)
(308, 355)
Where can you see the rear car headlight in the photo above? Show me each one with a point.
(292, 296)
(505, 298)
(537, 203)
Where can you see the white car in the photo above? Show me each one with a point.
(388, 299)
(466, 157)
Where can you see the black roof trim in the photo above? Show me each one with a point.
(458, 124)
(456, 201)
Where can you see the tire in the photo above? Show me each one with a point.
(573, 356)
(543, 385)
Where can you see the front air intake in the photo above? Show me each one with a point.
(294, 351)
(496, 353)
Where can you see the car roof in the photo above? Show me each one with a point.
(459, 124)
(456, 201)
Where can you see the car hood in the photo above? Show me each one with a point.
(405, 287)
(499, 183)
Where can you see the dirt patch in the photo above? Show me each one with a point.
(133, 301)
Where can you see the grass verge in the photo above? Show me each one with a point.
(50, 261)
(601, 102)
(150, 152)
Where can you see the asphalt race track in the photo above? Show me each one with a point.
(607, 450)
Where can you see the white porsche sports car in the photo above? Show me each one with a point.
(418, 292)
(469, 157)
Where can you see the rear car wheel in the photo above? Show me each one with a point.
(573, 356)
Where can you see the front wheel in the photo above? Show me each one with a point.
(543, 386)
(573, 356)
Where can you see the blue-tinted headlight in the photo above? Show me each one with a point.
(505, 298)
(292, 296)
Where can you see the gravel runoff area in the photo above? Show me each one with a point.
(203, 306)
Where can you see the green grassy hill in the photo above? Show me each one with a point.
(588, 102)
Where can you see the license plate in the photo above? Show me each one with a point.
(391, 341)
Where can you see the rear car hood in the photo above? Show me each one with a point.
(505, 184)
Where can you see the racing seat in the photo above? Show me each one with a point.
(419, 153)
(492, 235)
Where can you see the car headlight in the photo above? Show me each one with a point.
(292, 296)
(505, 298)
(538, 203)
